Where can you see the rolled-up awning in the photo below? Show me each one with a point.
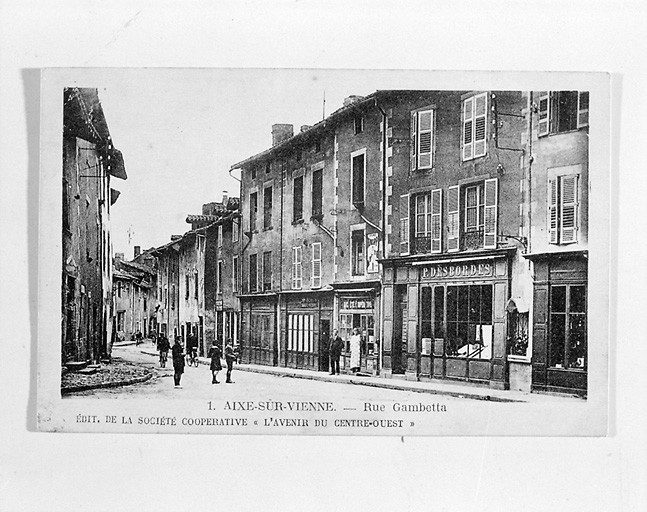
(116, 165)
(114, 195)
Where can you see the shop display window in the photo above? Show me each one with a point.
(469, 321)
(567, 345)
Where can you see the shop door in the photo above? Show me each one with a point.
(399, 354)
(324, 338)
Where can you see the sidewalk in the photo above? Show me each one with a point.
(457, 390)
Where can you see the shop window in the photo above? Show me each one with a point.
(562, 111)
(267, 271)
(563, 209)
(518, 334)
(358, 169)
(422, 139)
(253, 272)
(469, 321)
(316, 265)
(296, 268)
(567, 345)
(475, 126)
(365, 322)
(297, 212)
(301, 333)
(357, 252)
(317, 193)
(267, 208)
(253, 209)
(262, 330)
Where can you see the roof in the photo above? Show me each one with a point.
(138, 266)
(334, 117)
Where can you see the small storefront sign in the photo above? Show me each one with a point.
(452, 271)
(356, 304)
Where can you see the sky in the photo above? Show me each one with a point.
(181, 130)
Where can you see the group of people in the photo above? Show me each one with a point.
(336, 346)
(215, 355)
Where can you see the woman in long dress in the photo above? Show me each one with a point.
(355, 344)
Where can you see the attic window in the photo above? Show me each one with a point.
(359, 124)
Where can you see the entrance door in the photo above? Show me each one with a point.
(400, 327)
(324, 338)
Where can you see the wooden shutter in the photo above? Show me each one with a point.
(425, 138)
(490, 234)
(436, 220)
(583, 109)
(552, 211)
(544, 113)
(468, 129)
(453, 226)
(316, 265)
(404, 224)
(480, 125)
(414, 139)
(568, 209)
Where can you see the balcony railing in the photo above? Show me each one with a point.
(422, 245)
(471, 240)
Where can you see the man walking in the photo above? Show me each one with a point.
(336, 345)
(163, 347)
(178, 361)
(230, 357)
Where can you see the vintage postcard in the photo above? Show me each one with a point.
(324, 252)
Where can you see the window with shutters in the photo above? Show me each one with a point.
(480, 212)
(267, 271)
(562, 111)
(253, 272)
(422, 139)
(358, 170)
(297, 212)
(428, 222)
(475, 126)
(316, 265)
(296, 268)
(404, 224)
(267, 208)
(563, 198)
(357, 252)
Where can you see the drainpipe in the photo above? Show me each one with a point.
(530, 160)
(280, 294)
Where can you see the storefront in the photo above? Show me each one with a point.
(306, 327)
(357, 307)
(559, 350)
(258, 342)
(445, 318)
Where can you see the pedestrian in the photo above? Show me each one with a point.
(138, 337)
(215, 354)
(152, 334)
(355, 347)
(335, 348)
(178, 361)
(163, 347)
(231, 355)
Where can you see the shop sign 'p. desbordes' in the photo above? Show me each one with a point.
(451, 271)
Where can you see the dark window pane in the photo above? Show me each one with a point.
(425, 312)
(578, 299)
(577, 341)
(439, 311)
(452, 334)
(298, 198)
(557, 339)
(358, 180)
(462, 339)
(558, 299)
(475, 304)
(452, 303)
(486, 304)
(317, 192)
(463, 303)
(566, 111)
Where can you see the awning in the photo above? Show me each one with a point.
(116, 165)
(517, 304)
(114, 195)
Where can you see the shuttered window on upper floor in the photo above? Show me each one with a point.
(422, 139)
(474, 133)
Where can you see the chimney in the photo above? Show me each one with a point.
(225, 198)
(281, 132)
(305, 127)
(352, 99)
(138, 251)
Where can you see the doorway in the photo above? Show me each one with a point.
(324, 338)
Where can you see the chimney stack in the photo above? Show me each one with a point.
(281, 132)
(305, 127)
(138, 251)
(352, 99)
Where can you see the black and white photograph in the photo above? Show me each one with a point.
(355, 254)
(322, 256)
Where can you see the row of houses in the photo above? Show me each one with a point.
(448, 227)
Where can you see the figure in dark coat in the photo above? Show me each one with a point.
(178, 361)
(163, 347)
(215, 354)
(335, 348)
